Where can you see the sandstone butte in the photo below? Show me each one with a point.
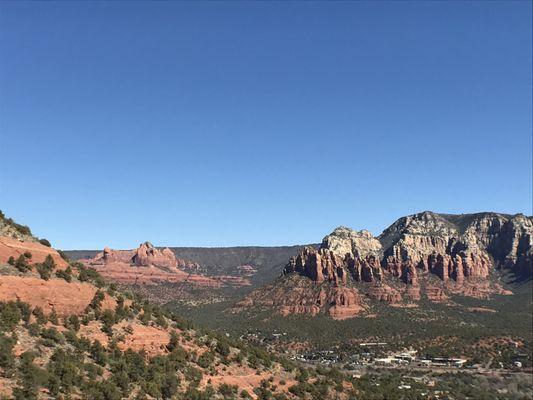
(148, 265)
(423, 255)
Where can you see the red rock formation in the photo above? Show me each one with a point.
(55, 294)
(148, 265)
(458, 249)
(385, 293)
(137, 337)
(460, 246)
(144, 256)
(344, 303)
(246, 270)
(147, 255)
(324, 265)
(435, 293)
(110, 256)
(306, 297)
(130, 275)
(318, 265)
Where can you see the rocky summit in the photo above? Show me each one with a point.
(426, 255)
(144, 256)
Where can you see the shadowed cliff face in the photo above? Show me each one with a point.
(459, 246)
(425, 255)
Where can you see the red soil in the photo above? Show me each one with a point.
(55, 294)
(14, 247)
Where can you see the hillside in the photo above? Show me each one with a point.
(65, 332)
(464, 278)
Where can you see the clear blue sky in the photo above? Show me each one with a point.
(239, 123)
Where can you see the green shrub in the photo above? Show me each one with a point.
(22, 264)
(108, 319)
(63, 255)
(45, 242)
(52, 334)
(206, 359)
(34, 329)
(96, 302)
(43, 272)
(7, 359)
(73, 322)
(98, 353)
(10, 315)
(174, 342)
(65, 274)
(45, 268)
(39, 316)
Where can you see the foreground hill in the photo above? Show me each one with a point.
(423, 256)
(66, 333)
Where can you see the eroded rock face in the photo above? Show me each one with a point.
(358, 244)
(385, 293)
(322, 265)
(460, 251)
(144, 256)
(459, 246)
(147, 254)
(303, 296)
(319, 265)
(110, 256)
(344, 302)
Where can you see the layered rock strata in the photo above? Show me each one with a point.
(425, 255)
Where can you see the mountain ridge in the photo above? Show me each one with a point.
(420, 255)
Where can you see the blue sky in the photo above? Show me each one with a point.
(240, 123)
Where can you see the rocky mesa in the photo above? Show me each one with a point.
(145, 265)
(426, 255)
(148, 265)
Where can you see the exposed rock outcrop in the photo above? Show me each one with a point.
(423, 255)
(322, 264)
(301, 296)
(358, 244)
(148, 265)
(458, 246)
(147, 254)
(343, 302)
(145, 265)
(53, 295)
(11, 247)
(144, 256)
